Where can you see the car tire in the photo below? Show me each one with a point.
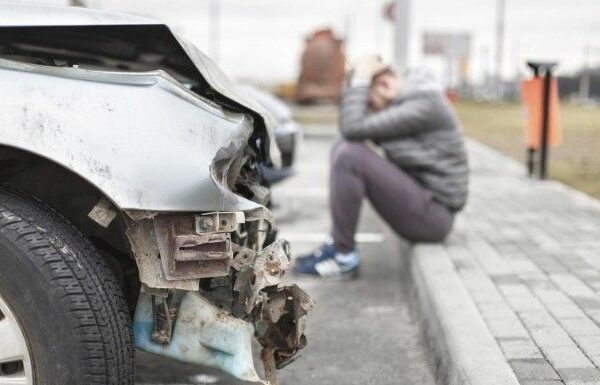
(68, 305)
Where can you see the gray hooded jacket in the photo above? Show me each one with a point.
(419, 132)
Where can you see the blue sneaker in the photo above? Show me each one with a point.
(327, 263)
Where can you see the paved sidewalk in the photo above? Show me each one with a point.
(514, 294)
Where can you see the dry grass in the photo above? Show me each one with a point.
(576, 162)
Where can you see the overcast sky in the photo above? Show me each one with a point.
(262, 39)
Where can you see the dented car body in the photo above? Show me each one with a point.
(133, 128)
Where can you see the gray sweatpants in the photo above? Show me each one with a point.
(409, 208)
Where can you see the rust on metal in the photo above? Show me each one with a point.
(267, 355)
(144, 247)
(195, 247)
(222, 257)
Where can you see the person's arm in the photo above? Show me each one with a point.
(398, 120)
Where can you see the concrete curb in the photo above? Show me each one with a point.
(463, 346)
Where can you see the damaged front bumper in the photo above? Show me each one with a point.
(211, 281)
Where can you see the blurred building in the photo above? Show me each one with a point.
(585, 85)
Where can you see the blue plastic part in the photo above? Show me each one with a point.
(203, 335)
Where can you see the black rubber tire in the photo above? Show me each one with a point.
(65, 297)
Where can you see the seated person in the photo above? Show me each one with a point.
(420, 183)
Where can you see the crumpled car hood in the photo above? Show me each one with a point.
(17, 14)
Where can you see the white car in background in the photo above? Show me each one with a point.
(288, 133)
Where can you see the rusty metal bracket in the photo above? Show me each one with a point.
(283, 322)
(269, 268)
(195, 246)
(218, 222)
(164, 315)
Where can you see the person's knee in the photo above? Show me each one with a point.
(347, 153)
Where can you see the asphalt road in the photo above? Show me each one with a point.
(361, 332)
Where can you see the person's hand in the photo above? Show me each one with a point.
(367, 66)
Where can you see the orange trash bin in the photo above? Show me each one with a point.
(532, 93)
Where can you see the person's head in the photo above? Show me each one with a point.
(385, 87)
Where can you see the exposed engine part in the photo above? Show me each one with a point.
(218, 222)
(223, 254)
(267, 270)
(280, 327)
(277, 312)
(144, 246)
(196, 247)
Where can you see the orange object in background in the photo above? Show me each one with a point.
(532, 93)
(452, 96)
(322, 68)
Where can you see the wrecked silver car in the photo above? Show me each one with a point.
(133, 213)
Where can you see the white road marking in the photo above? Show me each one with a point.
(321, 237)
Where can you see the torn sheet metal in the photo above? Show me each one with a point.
(269, 267)
(203, 335)
(280, 329)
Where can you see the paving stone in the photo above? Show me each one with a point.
(519, 348)
(549, 293)
(562, 357)
(565, 310)
(533, 369)
(480, 286)
(506, 327)
(572, 285)
(587, 303)
(551, 337)
(580, 327)
(541, 382)
(594, 314)
(539, 319)
(589, 344)
(496, 310)
(595, 360)
(520, 297)
(584, 375)
(506, 279)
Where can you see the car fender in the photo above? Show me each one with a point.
(142, 139)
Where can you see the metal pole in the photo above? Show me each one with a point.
(530, 160)
(401, 33)
(500, 12)
(214, 32)
(531, 152)
(545, 123)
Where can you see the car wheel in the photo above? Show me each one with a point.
(63, 319)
